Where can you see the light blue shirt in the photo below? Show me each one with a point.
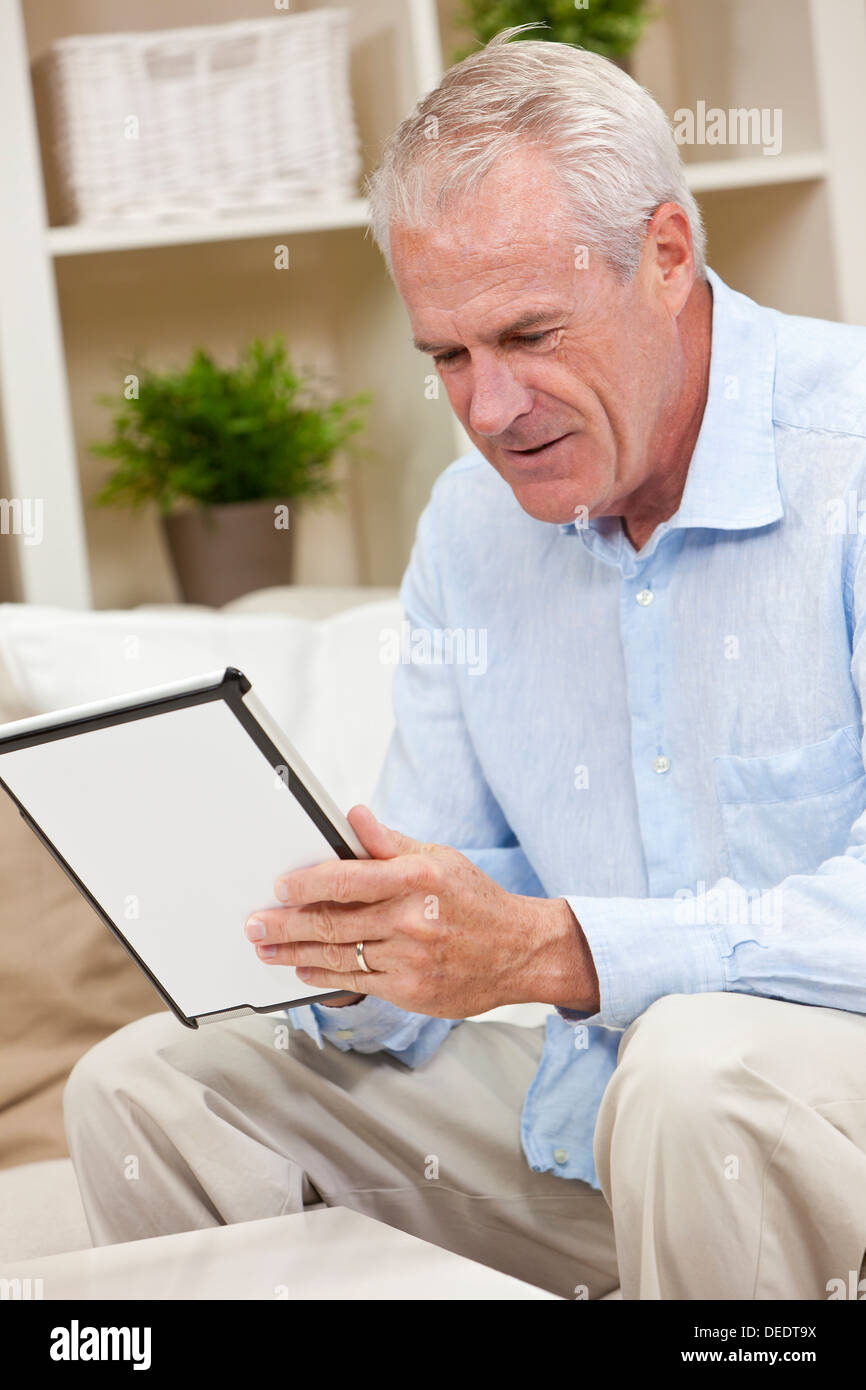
(669, 738)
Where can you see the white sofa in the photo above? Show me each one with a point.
(313, 656)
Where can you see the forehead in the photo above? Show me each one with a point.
(513, 228)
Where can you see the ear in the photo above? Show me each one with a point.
(670, 257)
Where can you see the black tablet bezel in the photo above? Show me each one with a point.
(231, 688)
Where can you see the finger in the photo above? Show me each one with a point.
(378, 839)
(357, 982)
(356, 880)
(342, 959)
(320, 922)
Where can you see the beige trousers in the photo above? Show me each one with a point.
(731, 1145)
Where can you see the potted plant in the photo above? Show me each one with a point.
(609, 27)
(226, 454)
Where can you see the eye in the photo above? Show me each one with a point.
(443, 358)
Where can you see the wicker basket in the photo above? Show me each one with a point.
(191, 122)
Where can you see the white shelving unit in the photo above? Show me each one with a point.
(713, 175)
(786, 228)
(396, 57)
(40, 455)
(83, 240)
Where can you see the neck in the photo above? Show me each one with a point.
(658, 498)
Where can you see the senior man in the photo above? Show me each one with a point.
(647, 811)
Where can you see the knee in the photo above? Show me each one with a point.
(110, 1067)
(684, 1053)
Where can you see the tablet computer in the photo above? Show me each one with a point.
(174, 810)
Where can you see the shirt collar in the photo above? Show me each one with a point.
(732, 482)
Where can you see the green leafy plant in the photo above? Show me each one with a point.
(212, 434)
(609, 27)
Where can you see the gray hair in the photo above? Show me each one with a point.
(609, 141)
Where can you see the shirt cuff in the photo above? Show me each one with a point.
(305, 1021)
(645, 948)
(365, 1027)
(362, 1027)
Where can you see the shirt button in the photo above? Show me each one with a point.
(344, 1033)
(560, 1155)
(644, 597)
(661, 764)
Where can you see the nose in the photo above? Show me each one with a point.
(497, 397)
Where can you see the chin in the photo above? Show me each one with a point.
(556, 501)
(558, 485)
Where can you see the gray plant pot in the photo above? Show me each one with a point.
(230, 549)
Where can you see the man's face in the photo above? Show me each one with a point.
(569, 409)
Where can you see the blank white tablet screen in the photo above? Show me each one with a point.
(178, 826)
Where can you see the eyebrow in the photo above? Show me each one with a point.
(531, 319)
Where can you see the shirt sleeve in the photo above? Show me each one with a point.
(432, 788)
(803, 940)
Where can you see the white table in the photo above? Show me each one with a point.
(331, 1253)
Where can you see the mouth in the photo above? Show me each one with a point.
(538, 452)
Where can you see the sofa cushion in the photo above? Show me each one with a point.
(41, 1212)
(66, 984)
(322, 681)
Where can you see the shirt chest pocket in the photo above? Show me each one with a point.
(786, 813)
